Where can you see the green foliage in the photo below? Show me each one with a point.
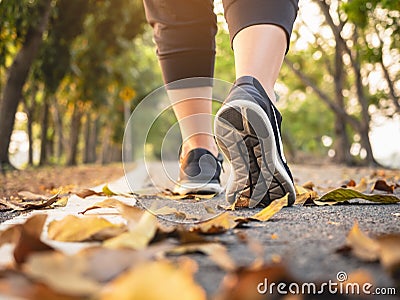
(65, 24)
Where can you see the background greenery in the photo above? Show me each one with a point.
(70, 69)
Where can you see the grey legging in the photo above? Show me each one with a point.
(184, 30)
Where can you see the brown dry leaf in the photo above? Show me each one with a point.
(64, 274)
(350, 183)
(306, 197)
(390, 252)
(244, 283)
(154, 281)
(37, 202)
(219, 224)
(361, 245)
(381, 185)
(360, 277)
(167, 193)
(16, 285)
(10, 235)
(138, 237)
(29, 238)
(268, 212)
(87, 193)
(31, 196)
(131, 213)
(75, 229)
(215, 251)
(309, 185)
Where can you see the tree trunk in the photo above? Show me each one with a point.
(74, 136)
(93, 141)
(43, 137)
(105, 146)
(88, 125)
(362, 99)
(17, 75)
(58, 127)
(342, 144)
(30, 112)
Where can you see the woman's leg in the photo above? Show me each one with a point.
(259, 52)
(184, 33)
(260, 33)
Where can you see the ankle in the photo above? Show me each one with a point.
(199, 141)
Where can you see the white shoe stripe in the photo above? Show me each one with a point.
(279, 136)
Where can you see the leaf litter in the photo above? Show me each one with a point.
(133, 254)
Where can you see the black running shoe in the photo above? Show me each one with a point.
(199, 173)
(247, 129)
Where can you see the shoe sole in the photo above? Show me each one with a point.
(245, 135)
(197, 188)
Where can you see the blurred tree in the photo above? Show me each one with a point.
(362, 35)
(24, 22)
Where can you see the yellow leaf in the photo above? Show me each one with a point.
(219, 224)
(270, 210)
(107, 191)
(154, 281)
(75, 229)
(300, 190)
(362, 246)
(137, 237)
(131, 213)
(306, 197)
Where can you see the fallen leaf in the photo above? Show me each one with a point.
(343, 194)
(10, 235)
(138, 237)
(16, 285)
(106, 191)
(309, 185)
(245, 283)
(154, 281)
(361, 245)
(306, 197)
(351, 183)
(75, 229)
(361, 186)
(64, 274)
(116, 261)
(29, 238)
(131, 213)
(219, 224)
(215, 251)
(390, 252)
(268, 212)
(360, 277)
(381, 185)
(167, 193)
(35, 203)
(87, 193)
(300, 190)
